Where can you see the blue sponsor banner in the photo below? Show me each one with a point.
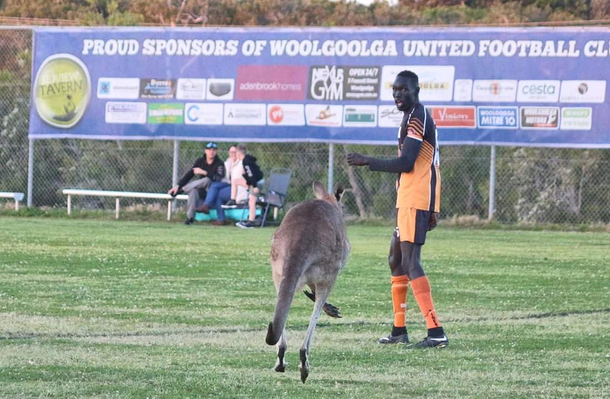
(531, 87)
(498, 117)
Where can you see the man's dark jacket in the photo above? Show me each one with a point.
(216, 171)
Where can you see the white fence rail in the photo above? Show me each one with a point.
(15, 196)
(122, 194)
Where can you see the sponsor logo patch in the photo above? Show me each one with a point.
(157, 88)
(361, 83)
(539, 117)
(324, 115)
(343, 83)
(62, 90)
(494, 91)
(220, 89)
(583, 91)
(245, 114)
(118, 88)
(125, 112)
(165, 113)
(453, 116)
(436, 82)
(462, 90)
(191, 89)
(286, 114)
(389, 116)
(498, 117)
(538, 91)
(271, 82)
(360, 115)
(203, 114)
(576, 118)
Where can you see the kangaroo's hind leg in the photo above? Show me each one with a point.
(322, 291)
(328, 308)
(282, 345)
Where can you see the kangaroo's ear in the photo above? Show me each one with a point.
(339, 191)
(319, 190)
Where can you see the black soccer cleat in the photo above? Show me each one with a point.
(391, 339)
(432, 342)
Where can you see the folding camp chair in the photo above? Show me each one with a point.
(276, 188)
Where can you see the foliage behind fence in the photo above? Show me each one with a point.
(534, 185)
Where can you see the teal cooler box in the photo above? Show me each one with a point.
(230, 214)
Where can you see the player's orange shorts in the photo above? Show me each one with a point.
(413, 224)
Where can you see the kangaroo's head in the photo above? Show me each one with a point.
(321, 194)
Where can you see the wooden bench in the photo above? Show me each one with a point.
(15, 196)
(122, 194)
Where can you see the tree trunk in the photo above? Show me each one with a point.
(351, 175)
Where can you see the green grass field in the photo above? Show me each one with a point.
(108, 309)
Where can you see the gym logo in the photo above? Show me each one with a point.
(62, 90)
(326, 83)
(344, 83)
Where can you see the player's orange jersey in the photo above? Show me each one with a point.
(421, 187)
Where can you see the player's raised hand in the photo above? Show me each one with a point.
(355, 159)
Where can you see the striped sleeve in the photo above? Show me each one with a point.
(415, 130)
(417, 124)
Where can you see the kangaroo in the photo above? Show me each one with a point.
(310, 247)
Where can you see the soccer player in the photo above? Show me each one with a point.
(418, 200)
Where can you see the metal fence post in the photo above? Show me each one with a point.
(331, 169)
(492, 183)
(30, 172)
(175, 169)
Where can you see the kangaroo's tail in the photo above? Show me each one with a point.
(285, 295)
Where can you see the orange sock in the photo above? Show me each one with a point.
(423, 296)
(400, 286)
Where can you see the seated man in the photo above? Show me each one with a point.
(219, 192)
(207, 169)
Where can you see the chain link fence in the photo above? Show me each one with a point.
(533, 185)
